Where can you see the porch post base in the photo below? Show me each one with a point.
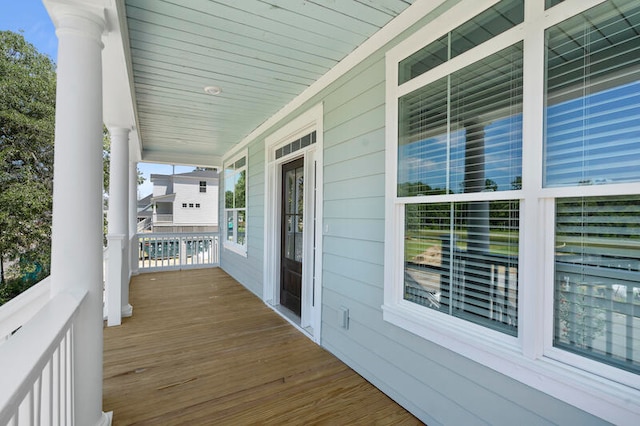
(127, 311)
(106, 419)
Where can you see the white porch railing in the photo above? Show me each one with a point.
(164, 217)
(16, 312)
(163, 251)
(37, 379)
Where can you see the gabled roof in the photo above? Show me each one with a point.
(145, 201)
(196, 174)
(167, 198)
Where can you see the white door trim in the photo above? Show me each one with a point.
(312, 120)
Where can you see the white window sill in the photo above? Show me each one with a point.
(235, 248)
(611, 401)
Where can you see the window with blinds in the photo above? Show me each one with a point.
(497, 19)
(463, 134)
(462, 259)
(593, 97)
(463, 237)
(235, 208)
(597, 279)
(592, 137)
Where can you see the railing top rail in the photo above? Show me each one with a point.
(16, 311)
(178, 234)
(24, 356)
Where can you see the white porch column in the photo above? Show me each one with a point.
(118, 235)
(133, 216)
(76, 258)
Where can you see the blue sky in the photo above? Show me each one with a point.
(30, 18)
(426, 160)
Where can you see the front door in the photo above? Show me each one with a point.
(291, 239)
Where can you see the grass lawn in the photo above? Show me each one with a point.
(501, 242)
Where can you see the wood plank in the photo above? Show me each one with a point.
(226, 22)
(201, 349)
(391, 7)
(352, 15)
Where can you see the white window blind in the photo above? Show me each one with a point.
(462, 259)
(593, 97)
(463, 133)
(597, 279)
(592, 137)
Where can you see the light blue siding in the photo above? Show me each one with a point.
(437, 385)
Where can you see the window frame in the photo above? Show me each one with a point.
(233, 246)
(203, 186)
(530, 358)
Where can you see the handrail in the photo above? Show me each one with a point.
(143, 225)
(36, 365)
(16, 312)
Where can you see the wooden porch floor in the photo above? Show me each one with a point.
(202, 350)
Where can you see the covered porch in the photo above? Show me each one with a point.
(201, 349)
(300, 104)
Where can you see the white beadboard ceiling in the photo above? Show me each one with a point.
(261, 53)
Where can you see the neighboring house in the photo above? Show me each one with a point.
(185, 202)
(444, 195)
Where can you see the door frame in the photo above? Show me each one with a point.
(310, 321)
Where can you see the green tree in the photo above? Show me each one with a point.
(27, 117)
(106, 159)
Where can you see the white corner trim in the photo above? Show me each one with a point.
(394, 28)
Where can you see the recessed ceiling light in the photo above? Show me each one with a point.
(213, 90)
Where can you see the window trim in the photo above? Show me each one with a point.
(530, 358)
(233, 246)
